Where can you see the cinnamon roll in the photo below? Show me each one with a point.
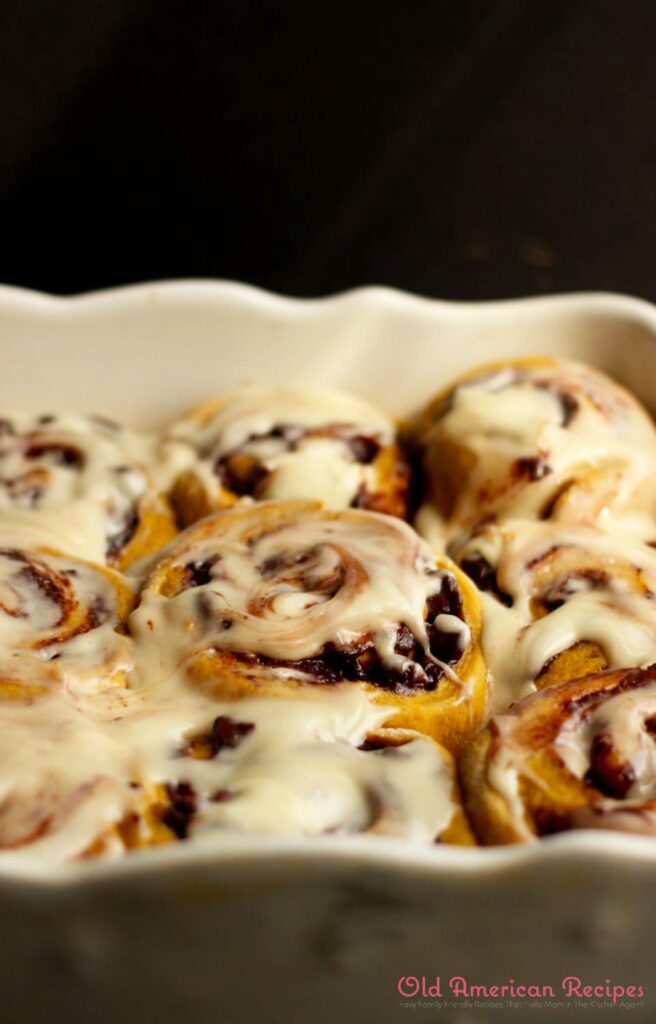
(172, 764)
(64, 661)
(309, 767)
(88, 482)
(560, 602)
(282, 597)
(577, 755)
(61, 622)
(288, 443)
(536, 438)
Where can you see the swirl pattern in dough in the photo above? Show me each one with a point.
(577, 755)
(284, 595)
(289, 443)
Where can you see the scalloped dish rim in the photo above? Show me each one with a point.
(569, 847)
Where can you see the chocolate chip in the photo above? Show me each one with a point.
(533, 468)
(364, 449)
(199, 573)
(226, 733)
(483, 575)
(182, 808)
(119, 540)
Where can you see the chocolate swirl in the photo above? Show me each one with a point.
(288, 443)
(538, 439)
(291, 593)
(578, 755)
(90, 473)
(59, 622)
(561, 602)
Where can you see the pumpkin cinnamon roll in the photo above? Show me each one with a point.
(578, 755)
(283, 597)
(61, 626)
(174, 765)
(87, 481)
(313, 767)
(535, 438)
(289, 443)
(65, 665)
(560, 602)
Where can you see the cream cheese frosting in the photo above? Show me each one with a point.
(308, 442)
(541, 439)
(288, 581)
(75, 479)
(558, 585)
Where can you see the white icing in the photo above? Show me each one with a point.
(311, 581)
(317, 467)
(82, 497)
(605, 443)
(298, 771)
(621, 719)
(618, 720)
(618, 614)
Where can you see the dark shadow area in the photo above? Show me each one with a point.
(469, 150)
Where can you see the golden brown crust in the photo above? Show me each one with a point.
(156, 527)
(582, 659)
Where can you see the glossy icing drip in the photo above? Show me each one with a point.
(302, 585)
(75, 481)
(104, 744)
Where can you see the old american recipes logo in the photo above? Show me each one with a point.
(569, 991)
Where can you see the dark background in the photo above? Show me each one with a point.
(458, 148)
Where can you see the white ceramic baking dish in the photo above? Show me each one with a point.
(254, 929)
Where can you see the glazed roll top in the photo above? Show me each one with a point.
(286, 595)
(154, 768)
(540, 439)
(113, 739)
(561, 602)
(96, 756)
(288, 443)
(64, 662)
(86, 481)
(58, 625)
(578, 755)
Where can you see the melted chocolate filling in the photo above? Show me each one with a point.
(60, 454)
(533, 468)
(182, 808)
(119, 540)
(607, 773)
(556, 596)
(483, 575)
(242, 473)
(361, 661)
(226, 733)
